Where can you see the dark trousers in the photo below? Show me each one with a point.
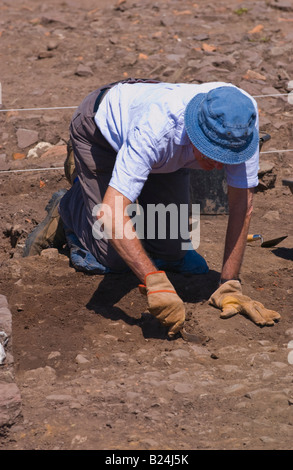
(95, 160)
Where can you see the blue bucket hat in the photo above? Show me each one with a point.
(221, 125)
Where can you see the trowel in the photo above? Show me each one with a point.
(263, 139)
(267, 243)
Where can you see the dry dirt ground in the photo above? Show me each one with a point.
(95, 371)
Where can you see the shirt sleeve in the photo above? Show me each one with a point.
(244, 175)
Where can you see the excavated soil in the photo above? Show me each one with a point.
(94, 369)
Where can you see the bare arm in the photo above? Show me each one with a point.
(240, 210)
(163, 302)
(130, 249)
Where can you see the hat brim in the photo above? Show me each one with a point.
(210, 149)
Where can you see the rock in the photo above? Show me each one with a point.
(78, 440)
(10, 398)
(38, 150)
(178, 375)
(174, 57)
(267, 375)
(180, 353)
(3, 340)
(265, 122)
(278, 124)
(80, 359)
(266, 175)
(264, 342)
(26, 137)
(235, 388)
(208, 48)
(45, 55)
(83, 71)
(150, 443)
(75, 405)
(5, 320)
(167, 21)
(265, 167)
(50, 253)
(4, 165)
(213, 62)
(267, 439)
(223, 61)
(257, 29)
(290, 98)
(201, 37)
(289, 332)
(133, 396)
(3, 301)
(59, 398)
(18, 156)
(271, 216)
(199, 350)
(52, 45)
(270, 90)
(284, 5)
(54, 354)
(279, 365)
(55, 152)
(54, 19)
(253, 75)
(183, 388)
(42, 376)
(10, 404)
(278, 51)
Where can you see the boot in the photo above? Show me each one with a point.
(191, 263)
(50, 232)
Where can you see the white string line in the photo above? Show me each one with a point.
(33, 169)
(277, 151)
(74, 107)
(62, 167)
(37, 109)
(276, 94)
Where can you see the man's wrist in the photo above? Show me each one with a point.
(223, 280)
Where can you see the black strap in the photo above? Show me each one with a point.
(99, 99)
(127, 80)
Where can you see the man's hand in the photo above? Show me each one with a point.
(229, 298)
(163, 301)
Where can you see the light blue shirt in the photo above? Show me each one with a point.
(144, 123)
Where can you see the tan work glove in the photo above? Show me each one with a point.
(163, 301)
(229, 298)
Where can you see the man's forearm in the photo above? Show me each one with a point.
(234, 251)
(240, 211)
(132, 252)
(122, 236)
